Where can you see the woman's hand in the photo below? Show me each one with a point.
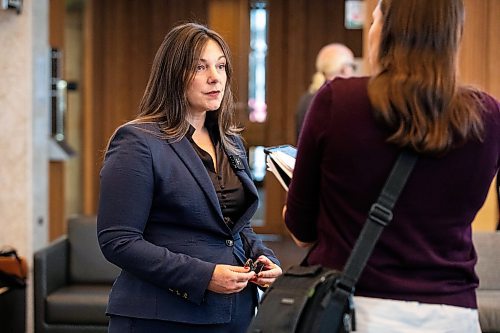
(227, 279)
(268, 274)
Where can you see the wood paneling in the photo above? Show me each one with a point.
(297, 31)
(275, 130)
(120, 41)
(479, 66)
(121, 38)
(236, 14)
(57, 170)
(369, 7)
(487, 217)
(493, 48)
(474, 50)
(57, 218)
(56, 23)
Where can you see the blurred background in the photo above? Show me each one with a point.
(73, 70)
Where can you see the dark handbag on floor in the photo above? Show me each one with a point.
(316, 299)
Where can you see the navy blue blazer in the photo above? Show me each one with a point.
(159, 220)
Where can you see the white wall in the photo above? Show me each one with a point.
(24, 131)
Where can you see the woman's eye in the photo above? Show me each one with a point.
(200, 68)
(222, 66)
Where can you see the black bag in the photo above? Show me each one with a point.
(298, 302)
(316, 299)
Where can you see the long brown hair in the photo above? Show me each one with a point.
(415, 93)
(164, 100)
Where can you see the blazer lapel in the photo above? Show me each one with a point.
(193, 163)
(248, 184)
(251, 190)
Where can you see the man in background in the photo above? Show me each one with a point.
(332, 60)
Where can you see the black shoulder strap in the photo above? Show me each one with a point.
(379, 216)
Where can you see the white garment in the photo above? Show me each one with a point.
(375, 315)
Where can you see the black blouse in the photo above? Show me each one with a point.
(230, 191)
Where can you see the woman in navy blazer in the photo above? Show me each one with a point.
(177, 197)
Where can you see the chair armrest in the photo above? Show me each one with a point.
(488, 264)
(50, 272)
(51, 265)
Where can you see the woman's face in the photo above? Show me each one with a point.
(374, 38)
(206, 90)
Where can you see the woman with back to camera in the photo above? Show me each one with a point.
(420, 277)
(177, 197)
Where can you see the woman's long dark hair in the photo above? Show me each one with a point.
(415, 92)
(165, 101)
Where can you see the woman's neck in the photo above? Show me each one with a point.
(197, 120)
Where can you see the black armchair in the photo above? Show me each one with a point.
(488, 270)
(72, 281)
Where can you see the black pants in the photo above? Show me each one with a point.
(243, 311)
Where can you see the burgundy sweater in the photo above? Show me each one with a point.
(426, 253)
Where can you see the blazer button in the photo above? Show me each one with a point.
(229, 242)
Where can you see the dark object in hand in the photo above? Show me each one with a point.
(255, 266)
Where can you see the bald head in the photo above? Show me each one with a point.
(335, 60)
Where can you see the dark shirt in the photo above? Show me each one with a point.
(227, 185)
(426, 253)
(300, 113)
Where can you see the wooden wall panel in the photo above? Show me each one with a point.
(120, 41)
(493, 48)
(56, 23)
(479, 66)
(297, 31)
(369, 7)
(236, 14)
(57, 218)
(276, 108)
(473, 53)
(57, 170)
(121, 37)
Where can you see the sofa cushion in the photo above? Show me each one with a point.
(78, 304)
(488, 270)
(87, 263)
(488, 264)
(488, 302)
